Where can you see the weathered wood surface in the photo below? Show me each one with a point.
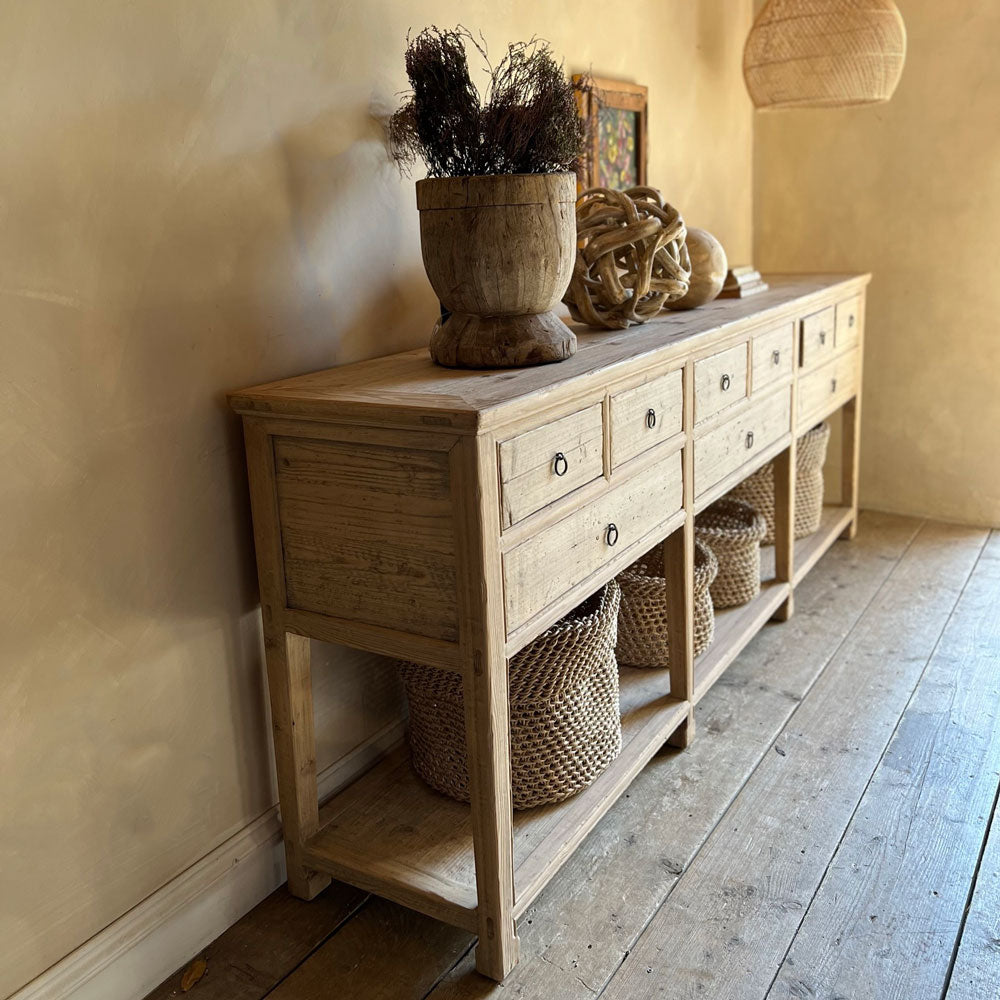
(726, 928)
(587, 921)
(886, 917)
(257, 952)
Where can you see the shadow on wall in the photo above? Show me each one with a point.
(157, 281)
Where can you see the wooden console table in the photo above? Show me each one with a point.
(449, 517)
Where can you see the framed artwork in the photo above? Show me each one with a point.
(616, 114)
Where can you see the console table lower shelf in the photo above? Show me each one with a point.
(391, 834)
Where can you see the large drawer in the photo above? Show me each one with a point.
(822, 391)
(734, 444)
(817, 338)
(546, 463)
(720, 380)
(543, 568)
(848, 323)
(645, 415)
(772, 353)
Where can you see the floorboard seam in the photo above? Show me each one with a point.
(760, 759)
(312, 951)
(878, 764)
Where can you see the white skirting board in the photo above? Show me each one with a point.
(155, 938)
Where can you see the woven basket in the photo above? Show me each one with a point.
(733, 530)
(758, 489)
(642, 621)
(565, 721)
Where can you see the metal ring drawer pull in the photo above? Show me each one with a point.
(559, 464)
(611, 535)
(725, 383)
(822, 336)
(833, 385)
(749, 439)
(650, 418)
(776, 357)
(850, 320)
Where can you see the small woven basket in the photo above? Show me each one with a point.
(565, 720)
(642, 620)
(758, 489)
(733, 530)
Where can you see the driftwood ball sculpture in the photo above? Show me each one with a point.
(631, 257)
(708, 270)
(498, 251)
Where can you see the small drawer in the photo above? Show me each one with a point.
(546, 463)
(645, 415)
(540, 570)
(727, 449)
(827, 388)
(772, 356)
(719, 381)
(817, 338)
(848, 324)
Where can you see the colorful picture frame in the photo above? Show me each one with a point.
(617, 117)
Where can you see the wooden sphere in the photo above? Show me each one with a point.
(708, 270)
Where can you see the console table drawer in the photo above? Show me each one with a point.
(719, 381)
(824, 390)
(772, 356)
(645, 415)
(546, 463)
(848, 323)
(540, 570)
(817, 338)
(727, 448)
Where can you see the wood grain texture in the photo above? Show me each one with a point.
(259, 951)
(645, 415)
(739, 442)
(822, 391)
(484, 688)
(772, 356)
(541, 569)
(367, 534)
(730, 920)
(531, 475)
(817, 338)
(720, 381)
(585, 924)
(886, 917)
(499, 253)
(410, 390)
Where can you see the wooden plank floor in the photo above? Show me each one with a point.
(831, 833)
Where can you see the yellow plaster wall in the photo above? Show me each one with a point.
(194, 197)
(909, 190)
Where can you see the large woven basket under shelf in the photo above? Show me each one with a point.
(642, 620)
(565, 719)
(733, 530)
(758, 489)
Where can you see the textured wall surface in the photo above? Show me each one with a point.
(194, 197)
(909, 190)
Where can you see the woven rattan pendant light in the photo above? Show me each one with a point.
(824, 53)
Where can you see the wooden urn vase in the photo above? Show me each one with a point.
(499, 253)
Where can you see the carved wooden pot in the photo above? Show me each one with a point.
(499, 253)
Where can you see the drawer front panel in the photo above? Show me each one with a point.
(772, 356)
(541, 569)
(848, 324)
(719, 381)
(824, 390)
(726, 449)
(645, 415)
(817, 338)
(546, 463)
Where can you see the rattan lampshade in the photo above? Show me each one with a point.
(824, 53)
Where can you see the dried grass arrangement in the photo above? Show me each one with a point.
(527, 123)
